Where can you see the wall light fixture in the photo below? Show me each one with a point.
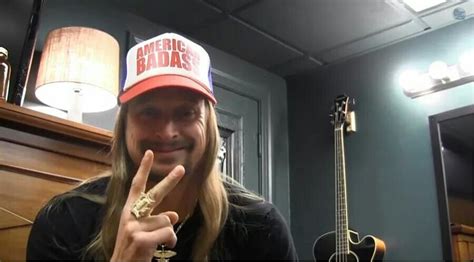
(439, 76)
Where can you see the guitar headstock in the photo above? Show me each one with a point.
(342, 114)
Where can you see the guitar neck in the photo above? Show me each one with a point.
(342, 244)
(342, 227)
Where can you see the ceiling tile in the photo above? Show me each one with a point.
(329, 22)
(237, 39)
(178, 14)
(371, 43)
(230, 5)
(447, 16)
(296, 66)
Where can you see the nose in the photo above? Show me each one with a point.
(166, 130)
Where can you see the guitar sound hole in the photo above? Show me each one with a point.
(351, 257)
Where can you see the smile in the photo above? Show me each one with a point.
(167, 149)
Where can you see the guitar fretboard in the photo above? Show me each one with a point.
(342, 228)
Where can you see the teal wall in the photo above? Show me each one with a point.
(390, 174)
(250, 80)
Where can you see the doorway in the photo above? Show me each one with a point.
(452, 137)
(238, 121)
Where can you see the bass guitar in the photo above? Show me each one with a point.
(344, 244)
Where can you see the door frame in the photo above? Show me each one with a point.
(440, 174)
(240, 87)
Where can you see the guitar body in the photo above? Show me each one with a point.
(344, 244)
(368, 248)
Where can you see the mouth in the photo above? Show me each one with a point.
(164, 150)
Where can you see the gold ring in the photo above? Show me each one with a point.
(142, 205)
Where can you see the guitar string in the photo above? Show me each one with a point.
(344, 198)
(343, 194)
(338, 236)
(341, 227)
(337, 194)
(341, 179)
(341, 200)
(337, 190)
(341, 247)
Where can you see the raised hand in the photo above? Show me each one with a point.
(138, 237)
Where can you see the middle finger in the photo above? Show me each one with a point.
(160, 190)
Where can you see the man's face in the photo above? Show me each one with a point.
(171, 123)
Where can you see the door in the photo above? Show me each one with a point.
(238, 125)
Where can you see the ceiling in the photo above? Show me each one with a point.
(289, 37)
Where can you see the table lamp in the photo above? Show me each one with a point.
(79, 71)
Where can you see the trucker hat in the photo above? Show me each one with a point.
(167, 60)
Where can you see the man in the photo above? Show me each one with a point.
(165, 197)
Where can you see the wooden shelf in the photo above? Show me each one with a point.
(462, 242)
(27, 117)
(41, 156)
(462, 229)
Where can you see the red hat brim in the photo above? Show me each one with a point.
(162, 81)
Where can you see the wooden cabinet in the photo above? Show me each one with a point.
(41, 156)
(462, 242)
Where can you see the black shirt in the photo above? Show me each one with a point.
(257, 231)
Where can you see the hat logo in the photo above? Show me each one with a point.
(167, 60)
(167, 52)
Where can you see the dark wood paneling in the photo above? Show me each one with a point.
(463, 242)
(41, 156)
(9, 219)
(13, 243)
(24, 195)
(47, 162)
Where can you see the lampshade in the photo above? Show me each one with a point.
(79, 63)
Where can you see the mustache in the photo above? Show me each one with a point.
(161, 145)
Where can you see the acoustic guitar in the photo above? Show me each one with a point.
(344, 244)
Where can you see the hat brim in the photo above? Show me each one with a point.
(163, 81)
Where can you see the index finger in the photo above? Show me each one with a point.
(139, 181)
(160, 190)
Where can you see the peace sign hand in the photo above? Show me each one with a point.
(137, 238)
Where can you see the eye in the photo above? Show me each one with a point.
(149, 112)
(186, 114)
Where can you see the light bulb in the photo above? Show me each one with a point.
(408, 79)
(466, 62)
(424, 83)
(438, 70)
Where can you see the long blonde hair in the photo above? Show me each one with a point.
(212, 200)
